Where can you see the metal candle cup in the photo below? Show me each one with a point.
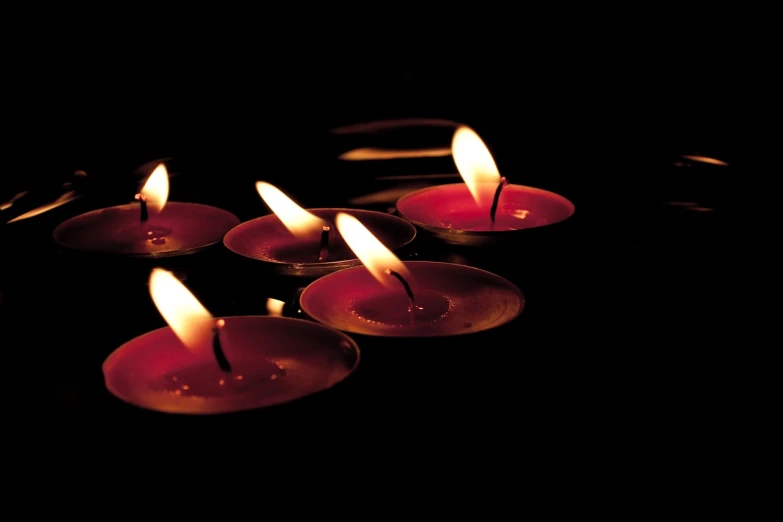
(265, 239)
(295, 242)
(387, 297)
(485, 209)
(274, 360)
(202, 365)
(152, 227)
(181, 228)
(450, 299)
(451, 214)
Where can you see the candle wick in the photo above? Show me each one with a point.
(324, 255)
(218, 349)
(496, 200)
(142, 199)
(407, 290)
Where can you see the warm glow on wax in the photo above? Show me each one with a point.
(297, 220)
(371, 252)
(476, 165)
(188, 318)
(156, 189)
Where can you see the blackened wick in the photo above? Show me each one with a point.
(324, 255)
(496, 200)
(143, 204)
(404, 283)
(220, 357)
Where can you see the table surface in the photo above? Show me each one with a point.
(626, 312)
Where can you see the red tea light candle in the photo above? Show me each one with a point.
(203, 365)
(298, 242)
(151, 227)
(485, 208)
(389, 298)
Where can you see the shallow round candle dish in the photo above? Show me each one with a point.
(266, 239)
(449, 299)
(181, 228)
(152, 227)
(450, 213)
(275, 360)
(389, 298)
(485, 209)
(203, 365)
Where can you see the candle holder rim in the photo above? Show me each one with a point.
(479, 233)
(341, 273)
(423, 262)
(347, 263)
(123, 396)
(147, 255)
(135, 205)
(99, 254)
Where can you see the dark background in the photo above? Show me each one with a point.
(629, 319)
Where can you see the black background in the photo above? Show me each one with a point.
(629, 319)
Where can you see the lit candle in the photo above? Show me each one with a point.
(388, 297)
(485, 208)
(299, 242)
(204, 365)
(150, 227)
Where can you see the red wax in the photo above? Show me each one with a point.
(450, 300)
(267, 239)
(392, 307)
(181, 228)
(303, 251)
(155, 234)
(450, 210)
(202, 381)
(273, 360)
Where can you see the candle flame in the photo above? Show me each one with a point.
(10, 202)
(156, 189)
(706, 159)
(297, 220)
(274, 307)
(370, 251)
(371, 153)
(62, 200)
(475, 164)
(188, 318)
